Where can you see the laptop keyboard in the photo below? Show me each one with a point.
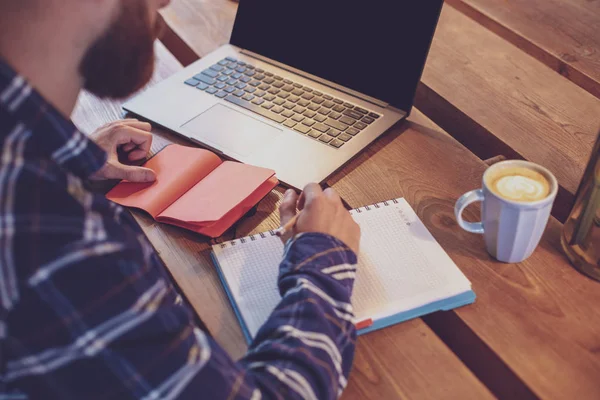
(316, 115)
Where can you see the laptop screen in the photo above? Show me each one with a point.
(375, 47)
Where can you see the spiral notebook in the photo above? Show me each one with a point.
(402, 272)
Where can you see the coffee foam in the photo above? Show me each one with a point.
(519, 184)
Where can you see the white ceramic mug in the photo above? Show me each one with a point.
(512, 229)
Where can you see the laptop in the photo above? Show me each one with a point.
(303, 86)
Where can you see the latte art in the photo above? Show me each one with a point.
(521, 188)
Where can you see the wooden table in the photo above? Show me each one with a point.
(497, 85)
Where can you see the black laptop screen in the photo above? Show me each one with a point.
(376, 47)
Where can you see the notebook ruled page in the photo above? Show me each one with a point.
(401, 267)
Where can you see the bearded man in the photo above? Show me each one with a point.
(86, 309)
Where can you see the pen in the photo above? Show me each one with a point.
(363, 324)
(282, 230)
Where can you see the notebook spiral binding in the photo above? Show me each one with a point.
(265, 235)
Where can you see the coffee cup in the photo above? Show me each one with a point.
(517, 198)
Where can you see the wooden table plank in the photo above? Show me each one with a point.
(404, 361)
(562, 34)
(540, 317)
(496, 99)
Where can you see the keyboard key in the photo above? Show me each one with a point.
(338, 101)
(274, 91)
(192, 82)
(302, 128)
(202, 86)
(336, 143)
(335, 115)
(240, 69)
(347, 120)
(245, 79)
(345, 137)
(287, 81)
(278, 109)
(325, 138)
(230, 89)
(328, 103)
(318, 100)
(278, 84)
(211, 73)
(267, 73)
(289, 124)
(237, 75)
(289, 105)
(373, 115)
(339, 108)
(360, 110)
(249, 66)
(352, 131)
(255, 83)
(250, 73)
(221, 94)
(211, 90)
(314, 134)
(294, 99)
(206, 79)
(239, 93)
(299, 110)
(334, 132)
(232, 81)
(360, 125)
(297, 85)
(221, 85)
(336, 124)
(353, 114)
(303, 102)
(297, 92)
(314, 107)
(288, 88)
(279, 102)
(283, 95)
(259, 77)
(231, 59)
(308, 122)
(277, 78)
(298, 118)
(288, 113)
(260, 70)
(309, 113)
(268, 80)
(217, 68)
(367, 120)
(307, 89)
(349, 105)
(248, 97)
(227, 72)
(241, 85)
(241, 63)
(259, 93)
(222, 78)
(317, 93)
(223, 62)
(268, 106)
(320, 118)
(327, 97)
(324, 111)
(269, 97)
(308, 96)
(258, 101)
(232, 65)
(264, 87)
(321, 127)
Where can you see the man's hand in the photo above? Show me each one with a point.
(321, 211)
(133, 138)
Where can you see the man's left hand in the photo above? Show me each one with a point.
(133, 138)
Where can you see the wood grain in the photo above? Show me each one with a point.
(402, 362)
(540, 317)
(514, 98)
(561, 34)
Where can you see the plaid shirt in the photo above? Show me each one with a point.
(88, 312)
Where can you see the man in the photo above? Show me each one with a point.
(86, 310)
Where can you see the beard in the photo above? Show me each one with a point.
(122, 60)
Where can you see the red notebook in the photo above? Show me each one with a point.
(196, 190)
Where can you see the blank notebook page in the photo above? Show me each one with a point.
(401, 267)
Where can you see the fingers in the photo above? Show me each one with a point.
(287, 209)
(134, 123)
(131, 173)
(332, 194)
(138, 140)
(310, 192)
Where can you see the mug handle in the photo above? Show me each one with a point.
(461, 204)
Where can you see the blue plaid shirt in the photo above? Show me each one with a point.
(88, 312)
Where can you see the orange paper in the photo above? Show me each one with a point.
(195, 190)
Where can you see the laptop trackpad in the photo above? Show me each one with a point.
(230, 130)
